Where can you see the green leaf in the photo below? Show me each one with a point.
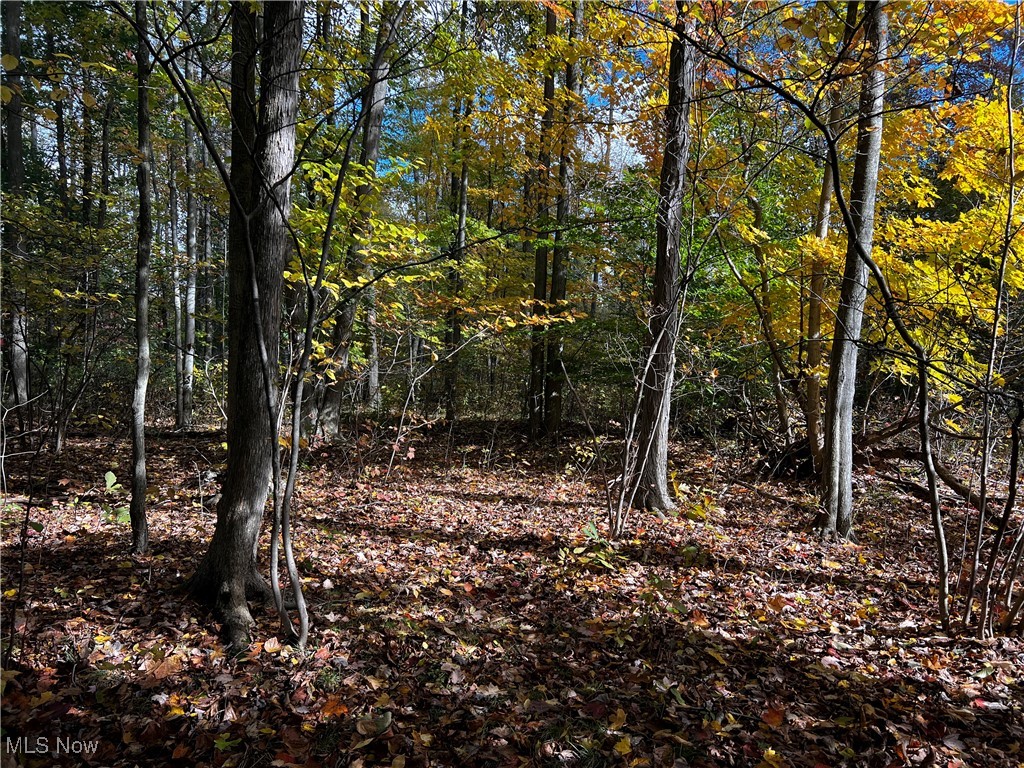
(111, 479)
(35, 526)
(9, 62)
(223, 743)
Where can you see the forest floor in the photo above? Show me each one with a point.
(466, 611)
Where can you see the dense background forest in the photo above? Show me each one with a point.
(573, 383)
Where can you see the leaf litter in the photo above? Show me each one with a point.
(468, 610)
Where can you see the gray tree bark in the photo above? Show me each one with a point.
(811, 374)
(188, 363)
(837, 469)
(259, 245)
(143, 176)
(14, 144)
(650, 487)
(176, 299)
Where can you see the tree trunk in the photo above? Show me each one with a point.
(837, 470)
(538, 369)
(257, 256)
(374, 97)
(655, 399)
(13, 141)
(460, 185)
(60, 136)
(172, 217)
(555, 375)
(188, 363)
(812, 370)
(137, 510)
(459, 206)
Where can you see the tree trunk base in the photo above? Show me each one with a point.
(216, 591)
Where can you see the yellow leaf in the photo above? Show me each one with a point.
(88, 99)
(9, 62)
(618, 719)
(717, 656)
(623, 747)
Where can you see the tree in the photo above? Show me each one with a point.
(15, 178)
(649, 480)
(191, 262)
(541, 185)
(137, 510)
(263, 149)
(837, 470)
(555, 374)
(371, 119)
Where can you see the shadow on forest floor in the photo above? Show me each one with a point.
(468, 620)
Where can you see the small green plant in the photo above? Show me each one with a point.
(111, 480)
(115, 513)
(598, 551)
(328, 679)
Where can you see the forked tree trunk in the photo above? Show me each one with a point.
(812, 370)
(650, 484)
(837, 470)
(257, 256)
(137, 509)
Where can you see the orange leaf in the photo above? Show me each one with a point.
(334, 707)
(773, 717)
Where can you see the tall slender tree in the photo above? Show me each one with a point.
(459, 207)
(374, 99)
(811, 375)
(188, 364)
(542, 191)
(837, 470)
(15, 181)
(555, 374)
(143, 176)
(649, 485)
